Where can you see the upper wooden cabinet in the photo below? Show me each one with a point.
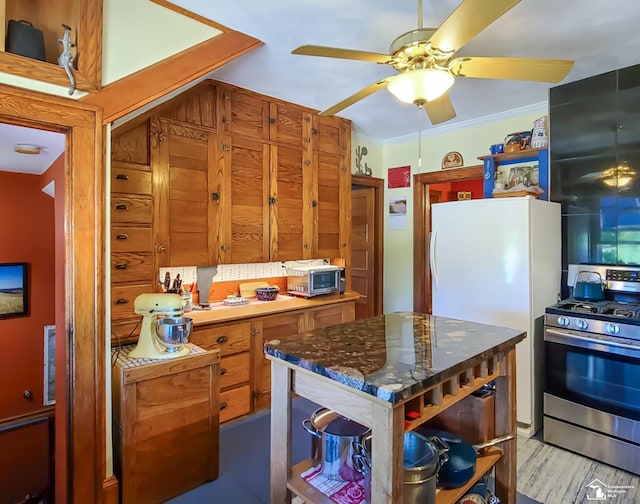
(85, 21)
(221, 175)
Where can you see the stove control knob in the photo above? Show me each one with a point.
(613, 328)
(582, 324)
(563, 321)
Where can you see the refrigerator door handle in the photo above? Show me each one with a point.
(432, 258)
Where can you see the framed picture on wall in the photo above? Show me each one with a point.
(49, 365)
(14, 291)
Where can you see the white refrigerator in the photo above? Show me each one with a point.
(498, 261)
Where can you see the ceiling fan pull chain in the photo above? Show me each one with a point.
(420, 114)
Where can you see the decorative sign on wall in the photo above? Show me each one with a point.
(399, 177)
(452, 159)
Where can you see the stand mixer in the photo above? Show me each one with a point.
(164, 332)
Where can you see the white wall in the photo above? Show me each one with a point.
(471, 139)
(138, 33)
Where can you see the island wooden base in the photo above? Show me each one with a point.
(388, 424)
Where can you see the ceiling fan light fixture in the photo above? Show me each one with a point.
(421, 85)
(619, 177)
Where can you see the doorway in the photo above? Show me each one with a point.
(366, 244)
(79, 279)
(424, 195)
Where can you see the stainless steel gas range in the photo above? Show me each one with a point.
(592, 368)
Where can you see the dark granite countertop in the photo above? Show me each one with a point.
(396, 355)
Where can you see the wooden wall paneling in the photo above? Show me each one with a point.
(196, 107)
(132, 145)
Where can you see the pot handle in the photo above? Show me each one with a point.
(441, 447)
(492, 442)
(308, 426)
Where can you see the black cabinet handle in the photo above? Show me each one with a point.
(121, 301)
(223, 371)
(121, 206)
(121, 266)
(122, 176)
(122, 236)
(223, 405)
(222, 339)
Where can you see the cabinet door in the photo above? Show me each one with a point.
(328, 134)
(329, 168)
(291, 189)
(243, 113)
(181, 159)
(330, 315)
(229, 338)
(287, 124)
(264, 329)
(243, 179)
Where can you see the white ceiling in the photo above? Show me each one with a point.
(600, 35)
(52, 145)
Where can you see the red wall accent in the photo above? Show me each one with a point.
(26, 234)
(27, 227)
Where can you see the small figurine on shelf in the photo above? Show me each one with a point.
(65, 59)
(539, 134)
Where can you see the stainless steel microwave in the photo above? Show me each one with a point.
(311, 281)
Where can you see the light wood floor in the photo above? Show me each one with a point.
(555, 476)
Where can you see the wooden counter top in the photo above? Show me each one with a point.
(221, 314)
(393, 356)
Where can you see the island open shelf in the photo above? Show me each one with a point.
(310, 365)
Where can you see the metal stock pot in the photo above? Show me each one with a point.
(332, 439)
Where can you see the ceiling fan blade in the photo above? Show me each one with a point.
(336, 52)
(469, 19)
(529, 69)
(440, 110)
(363, 93)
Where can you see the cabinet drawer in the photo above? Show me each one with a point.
(122, 298)
(131, 239)
(126, 180)
(131, 267)
(234, 403)
(230, 339)
(234, 370)
(131, 209)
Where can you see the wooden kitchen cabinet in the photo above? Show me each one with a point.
(234, 343)
(166, 420)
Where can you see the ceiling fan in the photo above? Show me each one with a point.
(424, 58)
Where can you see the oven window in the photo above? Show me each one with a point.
(592, 378)
(324, 280)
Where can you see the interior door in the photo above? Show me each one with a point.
(363, 250)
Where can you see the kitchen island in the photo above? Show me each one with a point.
(392, 373)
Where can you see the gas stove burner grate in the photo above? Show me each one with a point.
(618, 312)
(584, 308)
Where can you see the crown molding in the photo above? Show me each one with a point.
(507, 114)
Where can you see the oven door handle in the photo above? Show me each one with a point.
(580, 341)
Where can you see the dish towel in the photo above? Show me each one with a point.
(341, 492)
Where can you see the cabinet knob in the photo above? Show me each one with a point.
(223, 371)
(121, 266)
(160, 248)
(121, 301)
(222, 339)
(122, 236)
(122, 176)
(314, 203)
(224, 248)
(121, 206)
(307, 245)
(223, 405)
(27, 394)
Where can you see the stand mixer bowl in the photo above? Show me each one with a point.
(173, 333)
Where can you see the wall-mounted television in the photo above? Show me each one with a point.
(14, 291)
